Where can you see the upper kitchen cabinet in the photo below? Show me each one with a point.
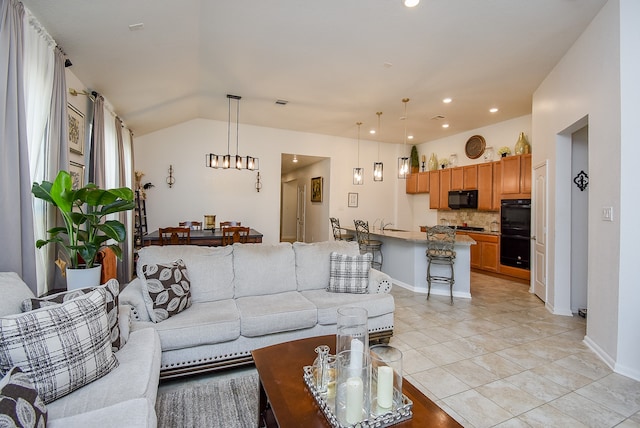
(434, 190)
(464, 178)
(516, 176)
(445, 186)
(418, 182)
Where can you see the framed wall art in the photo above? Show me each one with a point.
(353, 200)
(75, 129)
(316, 189)
(77, 175)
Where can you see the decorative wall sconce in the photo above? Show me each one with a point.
(170, 179)
(258, 183)
(581, 180)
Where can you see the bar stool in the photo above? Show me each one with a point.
(440, 242)
(338, 235)
(368, 245)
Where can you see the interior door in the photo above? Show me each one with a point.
(539, 237)
(301, 212)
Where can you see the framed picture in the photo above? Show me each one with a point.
(75, 129)
(353, 200)
(77, 174)
(316, 189)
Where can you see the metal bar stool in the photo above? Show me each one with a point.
(440, 242)
(368, 245)
(338, 233)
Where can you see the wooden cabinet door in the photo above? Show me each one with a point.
(485, 187)
(445, 186)
(411, 184)
(434, 190)
(470, 177)
(497, 183)
(510, 175)
(525, 174)
(423, 182)
(490, 257)
(457, 178)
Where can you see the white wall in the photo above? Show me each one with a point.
(586, 83)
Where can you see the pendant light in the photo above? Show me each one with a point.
(377, 166)
(217, 161)
(358, 173)
(403, 162)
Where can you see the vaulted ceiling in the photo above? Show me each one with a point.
(336, 62)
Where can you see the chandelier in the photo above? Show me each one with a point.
(213, 160)
(377, 166)
(403, 162)
(358, 173)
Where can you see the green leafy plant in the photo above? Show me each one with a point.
(85, 231)
(415, 161)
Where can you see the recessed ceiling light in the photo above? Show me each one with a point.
(410, 137)
(373, 131)
(410, 3)
(447, 100)
(493, 110)
(295, 159)
(136, 27)
(445, 125)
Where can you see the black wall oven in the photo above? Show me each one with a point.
(515, 233)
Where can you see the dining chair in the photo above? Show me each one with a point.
(193, 225)
(174, 235)
(338, 233)
(230, 223)
(233, 234)
(440, 242)
(368, 245)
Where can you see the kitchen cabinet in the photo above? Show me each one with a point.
(434, 190)
(497, 183)
(516, 177)
(464, 177)
(418, 182)
(485, 255)
(445, 186)
(485, 187)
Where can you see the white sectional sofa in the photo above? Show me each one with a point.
(125, 396)
(247, 296)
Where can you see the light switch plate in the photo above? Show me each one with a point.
(607, 213)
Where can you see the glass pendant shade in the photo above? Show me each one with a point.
(226, 161)
(358, 175)
(377, 171)
(403, 167)
(212, 160)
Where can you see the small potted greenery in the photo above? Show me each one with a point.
(86, 230)
(444, 162)
(415, 161)
(504, 151)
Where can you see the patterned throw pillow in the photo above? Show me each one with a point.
(349, 274)
(61, 348)
(20, 404)
(167, 289)
(112, 287)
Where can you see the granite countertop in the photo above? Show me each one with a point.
(483, 232)
(415, 236)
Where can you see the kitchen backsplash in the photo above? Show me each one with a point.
(471, 217)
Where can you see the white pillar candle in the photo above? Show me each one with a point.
(357, 351)
(354, 400)
(385, 387)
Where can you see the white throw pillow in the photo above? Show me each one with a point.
(349, 274)
(61, 348)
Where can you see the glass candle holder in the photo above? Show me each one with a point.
(386, 379)
(352, 330)
(352, 387)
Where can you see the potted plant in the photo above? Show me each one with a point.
(504, 151)
(444, 162)
(85, 231)
(415, 161)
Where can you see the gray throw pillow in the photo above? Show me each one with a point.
(167, 289)
(62, 347)
(112, 287)
(349, 274)
(20, 404)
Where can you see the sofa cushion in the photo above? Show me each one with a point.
(349, 274)
(211, 274)
(112, 287)
(312, 261)
(263, 269)
(20, 404)
(167, 254)
(167, 289)
(328, 304)
(204, 323)
(14, 291)
(61, 348)
(261, 315)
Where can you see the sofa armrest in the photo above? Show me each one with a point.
(132, 296)
(379, 282)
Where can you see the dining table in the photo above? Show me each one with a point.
(206, 237)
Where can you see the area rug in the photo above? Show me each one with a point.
(227, 403)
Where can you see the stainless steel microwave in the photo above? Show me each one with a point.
(463, 199)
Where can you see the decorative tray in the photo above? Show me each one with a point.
(328, 408)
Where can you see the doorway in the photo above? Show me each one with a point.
(579, 219)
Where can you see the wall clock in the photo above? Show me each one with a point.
(475, 147)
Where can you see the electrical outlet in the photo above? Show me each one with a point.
(607, 213)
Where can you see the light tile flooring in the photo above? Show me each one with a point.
(501, 359)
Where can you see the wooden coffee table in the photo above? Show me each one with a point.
(285, 400)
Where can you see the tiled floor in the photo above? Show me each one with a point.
(501, 359)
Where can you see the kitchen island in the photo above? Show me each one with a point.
(405, 261)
